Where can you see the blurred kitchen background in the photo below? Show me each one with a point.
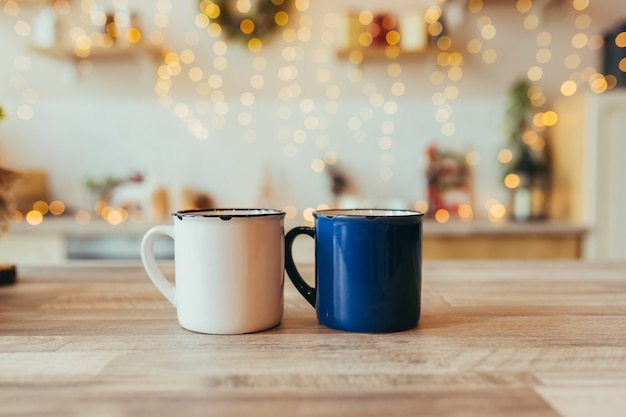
(503, 120)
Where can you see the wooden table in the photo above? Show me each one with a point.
(496, 339)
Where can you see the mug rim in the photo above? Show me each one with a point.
(228, 213)
(369, 213)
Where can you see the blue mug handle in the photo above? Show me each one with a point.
(308, 292)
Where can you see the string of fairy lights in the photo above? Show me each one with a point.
(297, 30)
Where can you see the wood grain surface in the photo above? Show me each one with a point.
(496, 338)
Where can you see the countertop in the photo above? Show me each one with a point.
(66, 225)
(499, 339)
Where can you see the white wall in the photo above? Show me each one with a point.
(110, 121)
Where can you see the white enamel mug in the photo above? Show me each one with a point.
(228, 269)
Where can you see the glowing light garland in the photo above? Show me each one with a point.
(248, 25)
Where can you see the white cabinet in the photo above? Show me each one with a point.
(589, 178)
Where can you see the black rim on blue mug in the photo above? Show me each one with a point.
(367, 268)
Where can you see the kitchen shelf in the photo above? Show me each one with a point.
(378, 53)
(66, 51)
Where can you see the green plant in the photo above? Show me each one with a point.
(263, 18)
(519, 112)
(519, 115)
(7, 179)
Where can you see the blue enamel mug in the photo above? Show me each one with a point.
(368, 269)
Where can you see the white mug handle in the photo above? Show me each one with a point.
(149, 261)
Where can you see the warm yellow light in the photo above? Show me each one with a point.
(22, 28)
(214, 29)
(247, 98)
(11, 8)
(535, 73)
(465, 212)
(444, 43)
(580, 4)
(394, 69)
(489, 56)
(307, 214)
(41, 206)
(543, 55)
(539, 144)
(544, 38)
(497, 212)
(443, 59)
(550, 118)
(611, 81)
(620, 40)
(34, 217)
(572, 61)
(456, 59)
(356, 57)
(196, 74)
(523, 6)
(451, 92)
(57, 207)
(243, 6)
(392, 37)
(366, 17)
(171, 59)
(114, 217)
(83, 42)
(530, 137)
(133, 35)
(301, 5)
(435, 29)
(488, 32)
(421, 206)
(432, 15)
(538, 120)
(246, 26)
(505, 156)
(212, 10)
(187, 56)
(455, 73)
(437, 77)
(281, 18)
(392, 51)
(531, 22)
(98, 17)
(622, 65)
(537, 98)
(475, 6)
(202, 21)
(365, 39)
(583, 22)
(442, 216)
(105, 211)
(512, 181)
(580, 40)
(255, 45)
(474, 46)
(598, 83)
